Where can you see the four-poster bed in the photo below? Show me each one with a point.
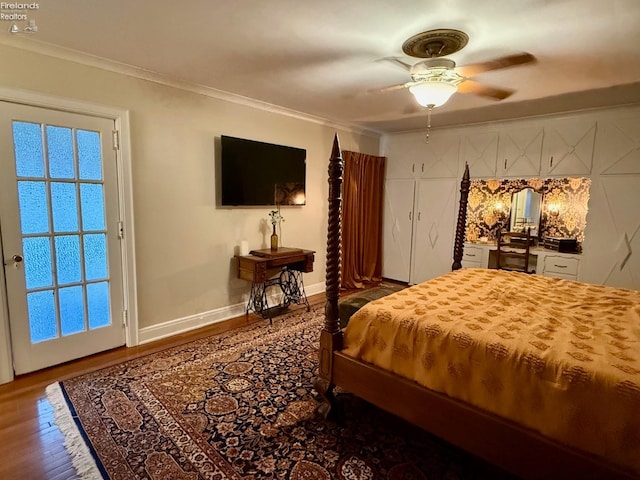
(507, 443)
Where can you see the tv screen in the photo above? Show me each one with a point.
(257, 173)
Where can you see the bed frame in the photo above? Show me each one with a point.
(514, 448)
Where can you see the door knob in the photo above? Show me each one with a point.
(16, 260)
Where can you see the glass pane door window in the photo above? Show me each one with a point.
(62, 221)
(59, 209)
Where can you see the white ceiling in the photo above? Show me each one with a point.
(320, 58)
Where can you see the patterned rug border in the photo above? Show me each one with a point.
(76, 443)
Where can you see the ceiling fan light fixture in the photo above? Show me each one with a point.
(433, 94)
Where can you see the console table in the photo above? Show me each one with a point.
(282, 268)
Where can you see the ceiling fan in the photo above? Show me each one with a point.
(435, 79)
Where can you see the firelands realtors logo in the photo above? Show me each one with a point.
(19, 14)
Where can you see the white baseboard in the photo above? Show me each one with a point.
(199, 320)
(315, 289)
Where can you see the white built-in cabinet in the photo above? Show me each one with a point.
(509, 152)
(422, 182)
(418, 238)
(561, 147)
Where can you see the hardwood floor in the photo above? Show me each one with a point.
(31, 445)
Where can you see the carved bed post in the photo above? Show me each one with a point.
(331, 335)
(458, 246)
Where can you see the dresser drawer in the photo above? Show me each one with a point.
(472, 255)
(561, 275)
(565, 266)
(466, 264)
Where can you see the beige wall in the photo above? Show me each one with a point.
(184, 244)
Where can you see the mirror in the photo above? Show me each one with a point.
(525, 211)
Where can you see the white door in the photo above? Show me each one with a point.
(434, 229)
(397, 226)
(59, 220)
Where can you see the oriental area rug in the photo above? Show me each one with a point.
(240, 405)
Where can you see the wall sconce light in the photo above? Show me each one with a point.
(500, 214)
(499, 210)
(553, 209)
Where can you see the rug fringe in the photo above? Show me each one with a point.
(81, 456)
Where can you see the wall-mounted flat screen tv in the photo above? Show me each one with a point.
(257, 173)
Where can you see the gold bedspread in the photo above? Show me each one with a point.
(560, 357)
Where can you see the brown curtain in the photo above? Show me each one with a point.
(362, 219)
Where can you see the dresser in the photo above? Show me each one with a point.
(541, 260)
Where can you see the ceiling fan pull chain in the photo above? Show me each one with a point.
(429, 108)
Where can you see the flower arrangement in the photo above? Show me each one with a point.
(275, 217)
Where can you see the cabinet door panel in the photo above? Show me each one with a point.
(434, 229)
(440, 156)
(405, 154)
(397, 229)
(398, 168)
(480, 152)
(519, 152)
(611, 248)
(618, 146)
(568, 146)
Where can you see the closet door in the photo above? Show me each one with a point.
(480, 152)
(397, 228)
(439, 157)
(520, 151)
(434, 229)
(611, 249)
(404, 154)
(568, 146)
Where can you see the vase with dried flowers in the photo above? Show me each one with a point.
(276, 218)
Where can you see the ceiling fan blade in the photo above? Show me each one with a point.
(496, 64)
(469, 86)
(397, 61)
(390, 88)
(373, 91)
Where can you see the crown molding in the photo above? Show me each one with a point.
(43, 48)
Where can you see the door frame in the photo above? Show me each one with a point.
(125, 194)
